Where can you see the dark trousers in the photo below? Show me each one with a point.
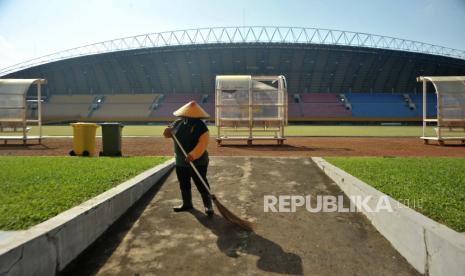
(185, 174)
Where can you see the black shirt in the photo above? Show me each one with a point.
(188, 132)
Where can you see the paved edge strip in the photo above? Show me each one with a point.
(48, 247)
(430, 247)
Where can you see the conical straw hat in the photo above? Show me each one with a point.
(191, 110)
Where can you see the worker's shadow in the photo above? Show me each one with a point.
(233, 242)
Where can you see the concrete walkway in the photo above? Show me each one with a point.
(152, 239)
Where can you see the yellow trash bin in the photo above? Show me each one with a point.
(84, 139)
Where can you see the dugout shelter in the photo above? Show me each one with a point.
(18, 111)
(450, 121)
(251, 108)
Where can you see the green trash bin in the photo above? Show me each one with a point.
(111, 139)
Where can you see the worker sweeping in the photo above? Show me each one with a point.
(192, 139)
(190, 135)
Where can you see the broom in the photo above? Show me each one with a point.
(228, 215)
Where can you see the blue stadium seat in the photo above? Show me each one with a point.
(388, 105)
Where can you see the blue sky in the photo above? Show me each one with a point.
(30, 29)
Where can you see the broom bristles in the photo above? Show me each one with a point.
(229, 216)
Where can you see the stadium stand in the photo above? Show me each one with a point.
(294, 108)
(131, 99)
(326, 105)
(210, 108)
(301, 107)
(126, 107)
(431, 101)
(384, 105)
(64, 108)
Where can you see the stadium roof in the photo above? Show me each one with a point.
(245, 34)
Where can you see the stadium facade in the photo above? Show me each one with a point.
(314, 61)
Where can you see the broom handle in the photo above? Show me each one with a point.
(191, 163)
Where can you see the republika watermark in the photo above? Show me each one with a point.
(327, 203)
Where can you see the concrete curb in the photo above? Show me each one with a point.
(48, 247)
(430, 247)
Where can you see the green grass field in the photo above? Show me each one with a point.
(436, 184)
(293, 130)
(34, 189)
